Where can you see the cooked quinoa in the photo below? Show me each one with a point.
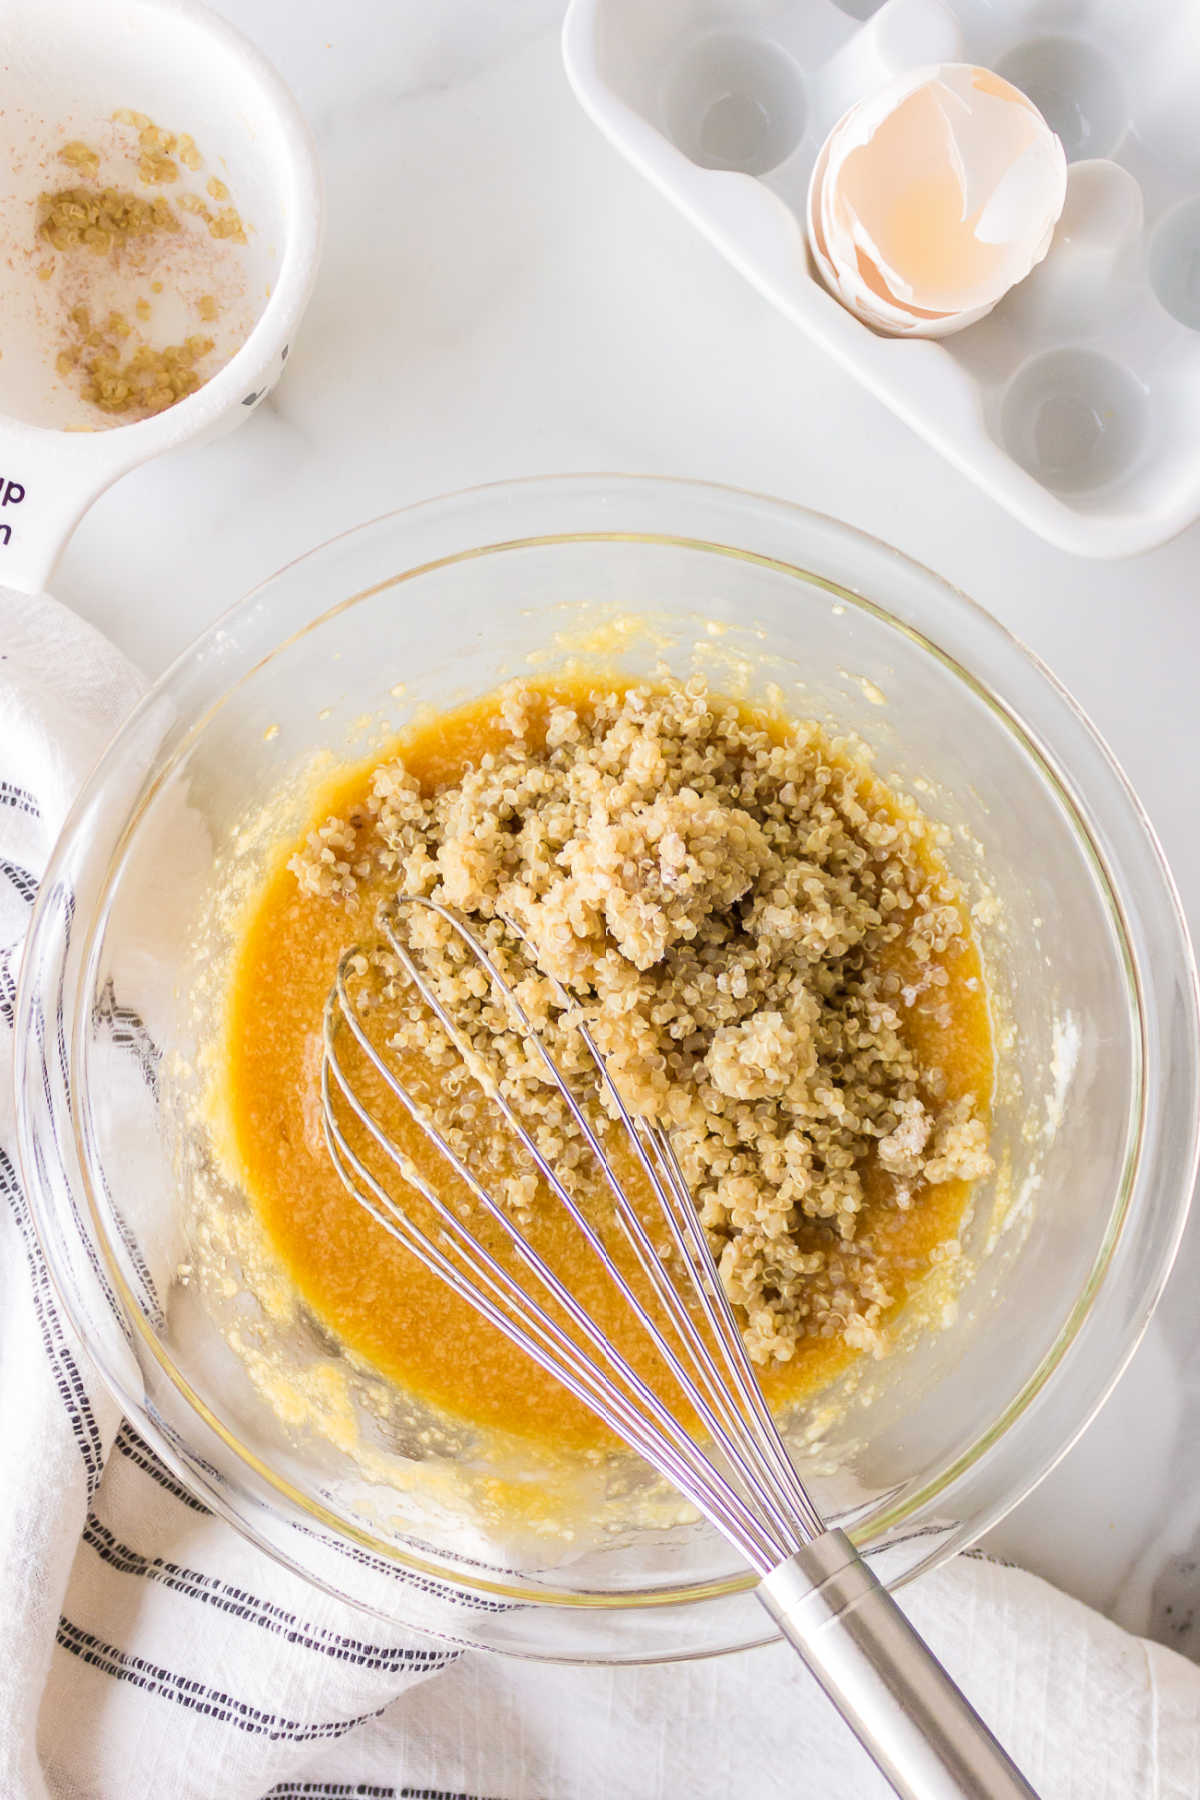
(742, 914)
(111, 236)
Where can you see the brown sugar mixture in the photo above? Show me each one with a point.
(770, 952)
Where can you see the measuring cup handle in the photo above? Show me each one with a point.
(910, 1717)
(48, 479)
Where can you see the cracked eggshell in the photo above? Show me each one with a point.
(933, 197)
(897, 320)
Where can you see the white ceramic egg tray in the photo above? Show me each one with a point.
(1076, 403)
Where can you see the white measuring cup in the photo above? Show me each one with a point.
(67, 67)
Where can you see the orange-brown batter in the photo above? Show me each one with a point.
(379, 1299)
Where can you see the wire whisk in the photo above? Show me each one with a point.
(728, 1456)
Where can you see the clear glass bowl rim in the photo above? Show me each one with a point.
(1055, 705)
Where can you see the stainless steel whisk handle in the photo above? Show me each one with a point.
(910, 1717)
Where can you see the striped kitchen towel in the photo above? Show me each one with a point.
(150, 1650)
(151, 1653)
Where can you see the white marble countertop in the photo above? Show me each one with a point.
(501, 296)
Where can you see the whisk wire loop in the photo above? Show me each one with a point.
(714, 1401)
(690, 1470)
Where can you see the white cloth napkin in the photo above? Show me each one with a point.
(152, 1654)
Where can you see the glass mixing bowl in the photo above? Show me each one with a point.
(1095, 1123)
